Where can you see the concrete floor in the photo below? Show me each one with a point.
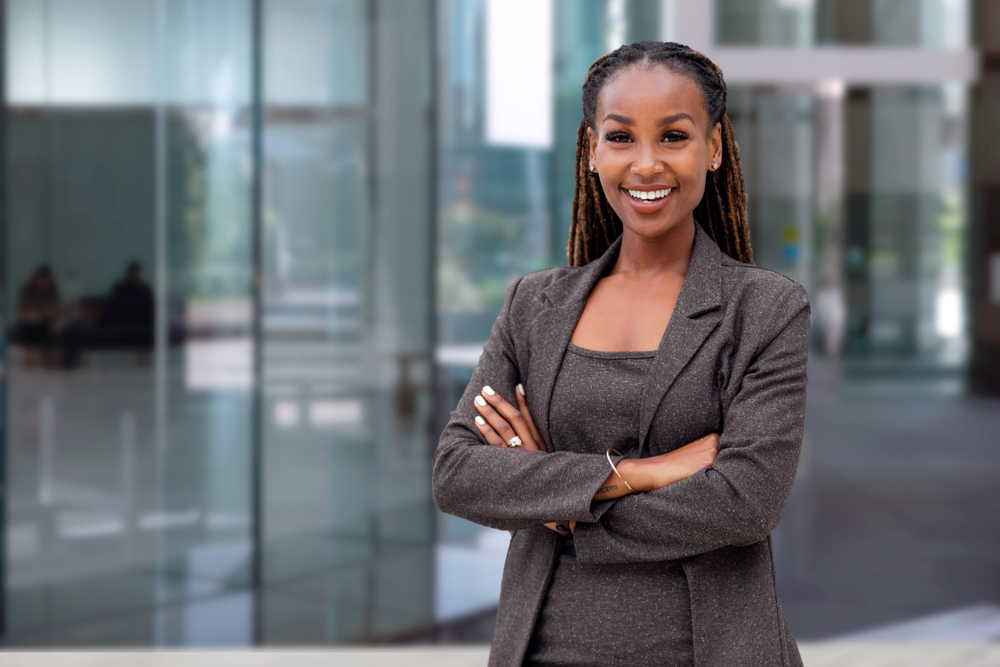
(813, 655)
(896, 511)
(895, 516)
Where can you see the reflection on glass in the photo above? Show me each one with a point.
(802, 23)
(128, 414)
(904, 233)
(857, 195)
(348, 551)
(494, 225)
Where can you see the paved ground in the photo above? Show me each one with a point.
(819, 655)
(895, 516)
(896, 513)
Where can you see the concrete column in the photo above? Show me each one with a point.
(984, 255)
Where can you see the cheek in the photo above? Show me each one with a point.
(691, 173)
(612, 169)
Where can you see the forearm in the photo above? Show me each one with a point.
(657, 472)
(497, 486)
(694, 516)
(612, 488)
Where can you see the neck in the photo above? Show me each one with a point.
(653, 257)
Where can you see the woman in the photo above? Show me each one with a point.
(640, 537)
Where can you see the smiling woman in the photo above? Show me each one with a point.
(697, 91)
(636, 417)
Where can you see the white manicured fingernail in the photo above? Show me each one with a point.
(481, 401)
(480, 420)
(520, 389)
(489, 390)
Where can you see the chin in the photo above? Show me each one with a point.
(651, 229)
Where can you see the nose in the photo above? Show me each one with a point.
(647, 164)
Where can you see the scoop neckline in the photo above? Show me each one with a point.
(617, 354)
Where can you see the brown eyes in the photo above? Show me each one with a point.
(625, 137)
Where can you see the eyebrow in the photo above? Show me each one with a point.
(666, 120)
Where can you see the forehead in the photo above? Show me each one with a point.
(642, 89)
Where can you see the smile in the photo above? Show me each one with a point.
(652, 195)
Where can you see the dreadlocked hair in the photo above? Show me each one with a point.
(722, 211)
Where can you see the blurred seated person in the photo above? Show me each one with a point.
(123, 319)
(130, 304)
(37, 312)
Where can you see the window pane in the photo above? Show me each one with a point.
(128, 421)
(348, 552)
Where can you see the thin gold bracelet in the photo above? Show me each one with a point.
(616, 469)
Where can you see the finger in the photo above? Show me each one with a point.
(559, 526)
(498, 424)
(511, 415)
(522, 403)
(491, 437)
(502, 425)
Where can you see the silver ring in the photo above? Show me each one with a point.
(514, 442)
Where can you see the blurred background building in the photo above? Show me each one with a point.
(251, 250)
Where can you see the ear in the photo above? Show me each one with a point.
(715, 146)
(592, 138)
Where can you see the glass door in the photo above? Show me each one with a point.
(128, 283)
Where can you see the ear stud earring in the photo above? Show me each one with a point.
(715, 165)
(592, 167)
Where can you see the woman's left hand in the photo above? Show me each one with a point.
(500, 422)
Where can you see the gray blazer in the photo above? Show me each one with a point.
(732, 361)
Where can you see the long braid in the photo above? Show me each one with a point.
(722, 210)
(601, 224)
(589, 203)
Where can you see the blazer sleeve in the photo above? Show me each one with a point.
(508, 489)
(738, 501)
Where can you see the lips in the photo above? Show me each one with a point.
(648, 195)
(647, 200)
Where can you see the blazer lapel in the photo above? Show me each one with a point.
(552, 329)
(697, 313)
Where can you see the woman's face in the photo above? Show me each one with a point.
(652, 148)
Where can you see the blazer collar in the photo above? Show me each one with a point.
(701, 292)
(695, 316)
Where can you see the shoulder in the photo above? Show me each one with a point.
(531, 291)
(759, 298)
(743, 283)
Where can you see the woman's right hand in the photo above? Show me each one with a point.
(657, 472)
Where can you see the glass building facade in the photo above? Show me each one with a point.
(261, 418)
(277, 234)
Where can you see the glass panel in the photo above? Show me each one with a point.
(206, 247)
(764, 22)
(804, 23)
(877, 175)
(128, 416)
(493, 226)
(777, 154)
(346, 320)
(904, 236)
(858, 197)
(580, 40)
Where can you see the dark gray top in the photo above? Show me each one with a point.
(595, 405)
(732, 361)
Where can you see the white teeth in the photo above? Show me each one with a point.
(655, 194)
